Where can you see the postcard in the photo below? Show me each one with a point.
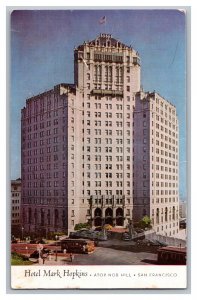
(98, 149)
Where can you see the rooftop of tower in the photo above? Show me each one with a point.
(105, 40)
(146, 94)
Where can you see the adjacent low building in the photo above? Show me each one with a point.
(155, 162)
(183, 209)
(15, 206)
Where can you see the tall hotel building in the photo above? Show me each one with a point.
(77, 145)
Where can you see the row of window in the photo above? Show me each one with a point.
(161, 128)
(107, 175)
(56, 175)
(106, 98)
(117, 158)
(108, 166)
(43, 201)
(15, 215)
(15, 221)
(107, 192)
(107, 149)
(17, 201)
(15, 207)
(164, 200)
(15, 195)
(119, 141)
(162, 144)
(108, 132)
(106, 183)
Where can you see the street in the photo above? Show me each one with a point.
(111, 252)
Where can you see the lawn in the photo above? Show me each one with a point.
(19, 260)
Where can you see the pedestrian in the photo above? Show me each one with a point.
(71, 257)
(49, 256)
(44, 257)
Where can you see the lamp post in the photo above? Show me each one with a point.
(22, 228)
(26, 248)
(103, 227)
(56, 247)
(130, 228)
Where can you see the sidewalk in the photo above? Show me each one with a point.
(61, 260)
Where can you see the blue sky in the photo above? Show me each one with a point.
(42, 44)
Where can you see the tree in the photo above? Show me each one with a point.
(145, 222)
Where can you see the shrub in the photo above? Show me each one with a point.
(81, 225)
(108, 227)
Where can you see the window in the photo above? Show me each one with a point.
(97, 114)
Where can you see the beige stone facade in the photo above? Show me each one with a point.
(107, 74)
(156, 168)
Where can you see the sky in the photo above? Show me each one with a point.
(41, 56)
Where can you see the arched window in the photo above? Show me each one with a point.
(109, 216)
(117, 74)
(24, 215)
(97, 212)
(35, 216)
(110, 74)
(98, 217)
(99, 73)
(106, 73)
(119, 216)
(119, 212)
(63, 218)
(157, 215)
(95, 73)
(29, 216)
(166, 214)
(42, 217)
(49, 217)
(56, 215)
(108, 212)
(173, 213)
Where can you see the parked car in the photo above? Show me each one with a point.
(147, 242)
(162, 244)
(139, 230)
(14, 241)
(35, 254)
(154, 242)
(32, 241)
(126, 237)
(99, 228)
(74, 235)
(41, 242)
